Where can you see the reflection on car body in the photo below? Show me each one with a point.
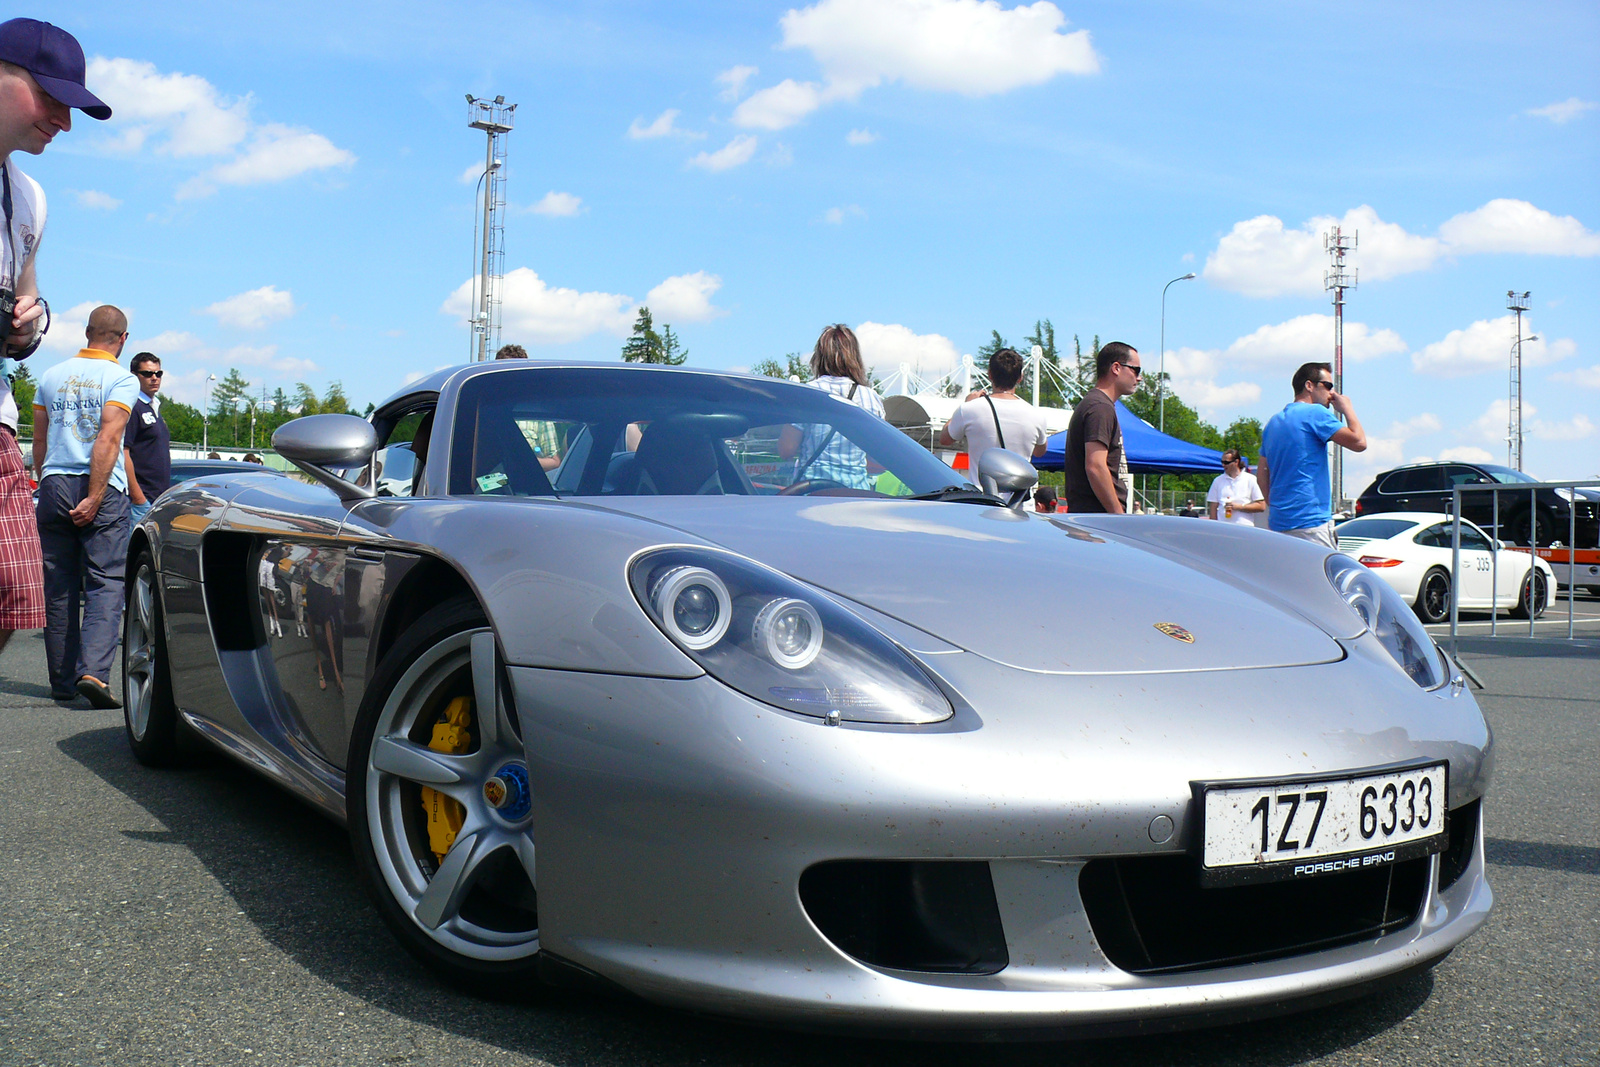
(611, 687)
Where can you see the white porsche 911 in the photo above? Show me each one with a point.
(1413, 550)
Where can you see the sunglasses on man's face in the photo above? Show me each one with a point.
(1325, 385)
(1137, 370)
(150, 373)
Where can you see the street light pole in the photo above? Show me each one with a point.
(1161, 378)
(205, 418)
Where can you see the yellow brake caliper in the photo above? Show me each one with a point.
(445, 815)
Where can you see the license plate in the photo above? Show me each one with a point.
(1308, 827)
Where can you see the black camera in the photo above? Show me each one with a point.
(8, 309)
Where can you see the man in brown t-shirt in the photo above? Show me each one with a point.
(1094, 440)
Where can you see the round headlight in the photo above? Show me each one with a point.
(694, 605)
(789, 633)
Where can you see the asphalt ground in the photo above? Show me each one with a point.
(201, 917)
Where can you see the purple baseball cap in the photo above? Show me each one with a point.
(54, 58)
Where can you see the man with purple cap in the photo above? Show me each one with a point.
(41, 81)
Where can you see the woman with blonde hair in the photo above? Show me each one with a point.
(823, 454)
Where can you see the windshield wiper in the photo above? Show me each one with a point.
(960, 494)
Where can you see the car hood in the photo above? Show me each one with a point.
(1015, 588)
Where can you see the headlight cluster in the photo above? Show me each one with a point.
(780, 642)
(1390, 619)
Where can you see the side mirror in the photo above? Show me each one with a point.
(1006, 475)
(315, 443)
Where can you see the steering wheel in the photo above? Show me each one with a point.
(808, 486)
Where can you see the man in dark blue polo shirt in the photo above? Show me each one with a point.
(147, 447)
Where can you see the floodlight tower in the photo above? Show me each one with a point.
(1336, 279)
(495, 118)
(1517, 302)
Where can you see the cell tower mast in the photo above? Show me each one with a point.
(1517, 302)
(495, 118)
(1336, 279)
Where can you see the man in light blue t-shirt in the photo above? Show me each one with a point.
(79, 413)
(1293, 472)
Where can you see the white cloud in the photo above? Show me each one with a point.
(1574, 429)
(1518, 226)
(266, 357)
(885, 346)
(66, 328)
(276, 153)
(665, 125)
(1388, 449)
(1587, 377)
(184, 111)
(860, 137)
(254, 309)
(1563, 112)
(185, 116)
(973, 47)
(533, 313)
(836, 215)
(471, 175)
(97, 201)
(783, 105)
(735, 153)
(780, 156)
(1271, 352)
(167, 342)
(1466, 454)
(1491, 425)
(1260, 257)
(732, 81)
(685, 298)
(1486, 345)
(559, 204)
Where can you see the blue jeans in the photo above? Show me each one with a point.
(93, 557)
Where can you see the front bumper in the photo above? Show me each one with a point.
(674, 819)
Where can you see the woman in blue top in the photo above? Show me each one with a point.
(821, 453)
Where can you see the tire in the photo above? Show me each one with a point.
(1433, 596)
(150, 715)
(1535, 595)
(1544, 528)
(472, 915)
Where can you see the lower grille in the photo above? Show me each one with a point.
(1463, 840)
(1151, 915)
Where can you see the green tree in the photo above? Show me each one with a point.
(334, 400)
(183, 421)
(1245, 435)
(645, 345)
(23, 390)
(994, 344)
(280, 402)
(794, 366)
(1050, 396)
(672, 354)
(226, 396)
(305, 399)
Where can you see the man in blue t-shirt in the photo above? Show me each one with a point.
(80, 413)
(1293, 472)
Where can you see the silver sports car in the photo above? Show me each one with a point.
(719, 690)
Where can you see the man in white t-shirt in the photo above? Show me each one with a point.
(1234, 495)
(997, 418)
(41, 81)
(80, 414)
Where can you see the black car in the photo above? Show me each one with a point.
(1427, 487)
(184, 470)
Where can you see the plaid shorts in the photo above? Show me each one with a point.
(21, 565)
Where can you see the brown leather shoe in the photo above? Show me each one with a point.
(98, 693)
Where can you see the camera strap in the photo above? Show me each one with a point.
(10, 280)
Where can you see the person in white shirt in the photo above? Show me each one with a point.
(998, 418)
(820, 453)
(41, 81)
(1234, 495)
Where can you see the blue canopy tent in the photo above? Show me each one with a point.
(1149, 451)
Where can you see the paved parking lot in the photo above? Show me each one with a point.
(200, 917)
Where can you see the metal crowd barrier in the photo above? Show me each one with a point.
(1553, 555)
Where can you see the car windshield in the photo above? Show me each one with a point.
(1505, 474)
(1374, 529)
(635, 432)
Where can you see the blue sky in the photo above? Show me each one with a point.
(286, 188)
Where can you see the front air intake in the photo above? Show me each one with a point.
(909, 915)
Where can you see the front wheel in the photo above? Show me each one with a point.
(439, 804)
(1433, 596)
(1535, 595)
(149, 712)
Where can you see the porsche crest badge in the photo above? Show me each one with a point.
(1176, 632)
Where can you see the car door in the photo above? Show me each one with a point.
(1477, 507)
(1477, 567)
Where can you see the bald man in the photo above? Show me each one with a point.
(79, 414)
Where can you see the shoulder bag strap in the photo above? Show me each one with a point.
(998, 432)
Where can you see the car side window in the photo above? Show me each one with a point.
(1434, 537)
(1464, 476)
(1471, 538)
(397, 466)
